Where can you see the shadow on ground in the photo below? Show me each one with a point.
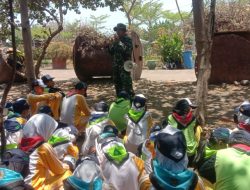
(162, 96)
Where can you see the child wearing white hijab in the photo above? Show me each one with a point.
(46, 170)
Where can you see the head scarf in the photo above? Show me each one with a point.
(170, 165)
(109, 148)
(40, 125)
(63, 134)
(136, 114)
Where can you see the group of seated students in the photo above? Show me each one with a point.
(121, 147)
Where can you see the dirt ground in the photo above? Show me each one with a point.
(152, 75)
(162, 93)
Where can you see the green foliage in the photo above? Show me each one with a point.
(97, 21)
(170, 47)
(70, 32)
(59, 50)
(46, 61)
(4, 20)
(43, 11)
(36, 53)
(39, 32)
(51, 7)
(146, 13)
(174, 18)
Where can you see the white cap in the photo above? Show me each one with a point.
(140, 95)
(190, 103)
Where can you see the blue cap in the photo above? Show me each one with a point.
(11, 125)
(220, 133)
(45, 110)
(109, 131)
(20, 105)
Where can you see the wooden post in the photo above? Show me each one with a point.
(27, 41)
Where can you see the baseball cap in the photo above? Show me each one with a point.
(120, 26)
(220, 133)
(242, 115)
(47, 78)
(101, 107)
(81, 85)
(20, 105)
(171, 143)
(193, 106)
(109, 131)
(12, 125)
(139, 101)
(35, 83)
(183, 106)
(45, 109)
(9, 106)
(123, 94)
(245, 109)
(239, 137)
(237, 109)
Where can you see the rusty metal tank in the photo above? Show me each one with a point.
(230, 58)
(98, 62)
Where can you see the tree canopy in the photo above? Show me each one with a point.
(43, 11)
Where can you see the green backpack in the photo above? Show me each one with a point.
(117, 112)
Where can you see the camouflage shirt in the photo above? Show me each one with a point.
(121, 50)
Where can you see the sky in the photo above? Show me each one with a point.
(119, 17)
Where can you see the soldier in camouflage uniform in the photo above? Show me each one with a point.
(121, 51)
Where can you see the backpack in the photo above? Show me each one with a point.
(17, 160)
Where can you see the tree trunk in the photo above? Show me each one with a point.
(27, 39)
(129, 20)
(203, 38)
(9, 84)
(127, 13)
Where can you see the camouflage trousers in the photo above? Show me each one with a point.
(122, 80)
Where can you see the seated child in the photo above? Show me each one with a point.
(49, 84)
(38, 99)
(119, 109)
(120, 169)
(146, 150)
(98, 120)
(170, 163)
(87, 175)
(139, 123)
(183, 119)
(74, 109)
(14, 158)
(63, 141)
(46, 170)
(21, 111)
(218, 139)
